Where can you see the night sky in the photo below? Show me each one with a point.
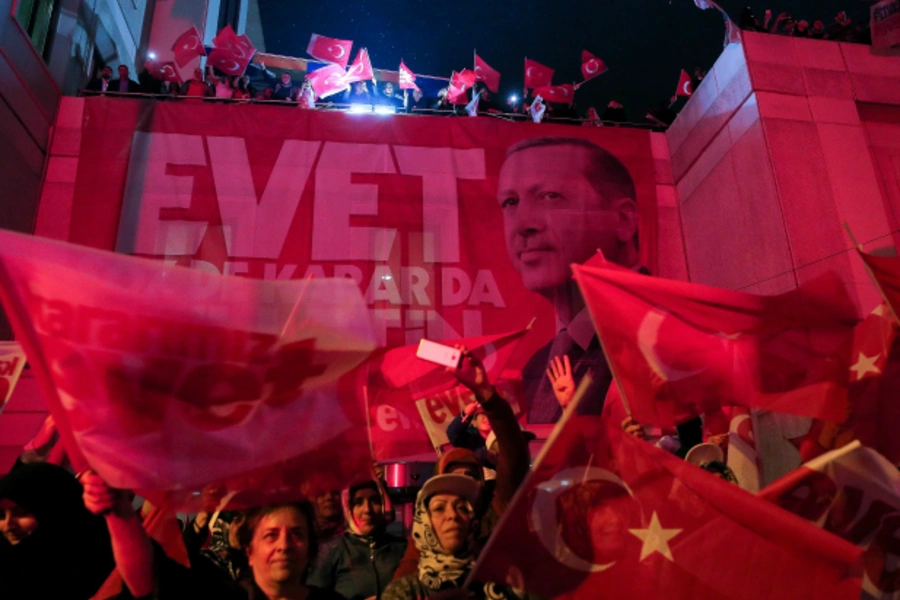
(645, 43)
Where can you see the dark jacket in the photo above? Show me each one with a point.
(132, 87)
(357, 567)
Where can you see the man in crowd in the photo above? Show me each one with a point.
(123, 84)
(562, 200)
(285, 89)
(101, 82)
(388, 96)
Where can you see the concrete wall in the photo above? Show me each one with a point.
(785, 141)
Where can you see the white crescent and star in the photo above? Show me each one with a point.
(655, 538)
(686, 88)
(338, 56)
(223, 64)
(647, 336)
(478, 74)
(528, 72)
(593, 62)
(545, 506)
(193, 41)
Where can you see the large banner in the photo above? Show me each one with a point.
(885, 23)
(451, 227)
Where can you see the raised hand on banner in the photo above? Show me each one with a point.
(560, 374)
(472, 374)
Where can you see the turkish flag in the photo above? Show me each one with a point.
(603, 514)
(685, 88)
(680, 349)
(239, 45)
(591, 66)
(327, 81)
(227, 62)
(330, 50)
(885, 271)
(407, 77)
(12, 363)
(854, 493)
(484, 72)
(187, 46)
(183, 379)
(460, 83)
(558, 94)
(874, 384)
(537, 75)
(361, 69)
(166, 71)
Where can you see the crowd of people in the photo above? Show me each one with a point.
(333, 546)
(842, 29)
(262, 85)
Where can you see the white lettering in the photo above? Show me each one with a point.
(258, 228)
(338, 198)
(149, 188)
(439, 169)
(455, 286)
(485, 290)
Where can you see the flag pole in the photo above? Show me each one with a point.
(580, 393)
(859, 250)
(609, 362)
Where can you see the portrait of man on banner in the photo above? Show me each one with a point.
(563, 199)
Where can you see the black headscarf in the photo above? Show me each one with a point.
(69, 554)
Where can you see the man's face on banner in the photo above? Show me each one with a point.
(552, 215)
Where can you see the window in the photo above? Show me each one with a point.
(37, 18)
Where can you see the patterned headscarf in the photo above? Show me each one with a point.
(436, 567)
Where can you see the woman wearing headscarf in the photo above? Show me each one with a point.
(443, 530)
(279, 543)
(51, 546)
(362, 561)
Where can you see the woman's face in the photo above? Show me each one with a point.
(367, 509)
(279, 550)
(451, 518)
(16, 523)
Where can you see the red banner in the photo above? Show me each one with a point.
(407, 208)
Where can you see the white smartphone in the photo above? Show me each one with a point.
(438, 353)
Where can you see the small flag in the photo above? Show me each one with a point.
(330, 50)
(591, 66)
(407, 78)
(187, 46)
(537, 75)
(685, 89)
(484, 72)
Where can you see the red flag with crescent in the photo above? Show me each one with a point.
(232, 53)
(327, 81)
(460, 84)
(484, 72)
(605, 515)
(227, 62)
(166, 71)
(685, 88)
(407, 77)
(361, 69)
(852, 492)
(680, 349)
(330, 50)
(591, 66)
(164, 397)
(188, 46)
(537, 75)
(558, 94)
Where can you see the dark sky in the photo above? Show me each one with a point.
(645, 43)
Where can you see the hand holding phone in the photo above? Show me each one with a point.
(438, 354)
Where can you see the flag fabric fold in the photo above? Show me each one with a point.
(361, 69)
(407, 77)
(591, 66)
(853, 493)
(885, 272)
(188, 46)
(484, 72)
(166, 71)
(166, 379)
(680, 350)
(330, 50)
(603, 514)
(328, 80)
(685, 89)
(537, 75)
(231, 53)
(558, 94)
